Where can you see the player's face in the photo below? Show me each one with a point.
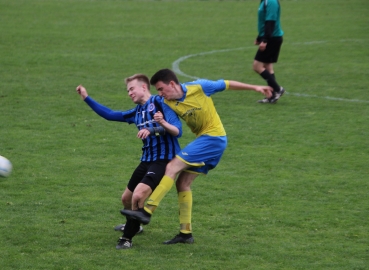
(166, 91)
(135, 91)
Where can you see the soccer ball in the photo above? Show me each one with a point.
(5, 167)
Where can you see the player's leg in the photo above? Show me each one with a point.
(192, 156)
(141, 193)
(269, 67)
(127, 203)
(166, 183)
(269, 77)
(162, 185)
(258, 66)
(127, 198)
(127, 227)
(131, 227)
(262, 66)
(278, 94)
(183, 185)
(149, 183)
(136, 178)
(175, 166)
(277, 44)
(209, 151)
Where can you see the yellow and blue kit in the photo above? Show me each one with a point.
(197, 109)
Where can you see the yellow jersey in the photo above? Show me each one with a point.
(197, 109)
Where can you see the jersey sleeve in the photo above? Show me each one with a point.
(271, 11)
(172, 118)
(211, 87)
(108, 114)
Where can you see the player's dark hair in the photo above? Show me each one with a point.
(140, 77)
(165, 76)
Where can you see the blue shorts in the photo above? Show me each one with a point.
(204, 153)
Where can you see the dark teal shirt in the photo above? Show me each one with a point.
(269, 10)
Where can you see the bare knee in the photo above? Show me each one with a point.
(269, 67)
(127, 199)
(126, 202)
(184, 181)
(141, 193)
(258, 67)
(254, 67)
(174, 167)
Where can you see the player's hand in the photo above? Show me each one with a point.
(265, 90)
(158, 117)
(82, 92)
(143, 134)
(262, 46)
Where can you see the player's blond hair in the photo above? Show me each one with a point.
(139, 77)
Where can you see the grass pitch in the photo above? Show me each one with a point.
(291, 191)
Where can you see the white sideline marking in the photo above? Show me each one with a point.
(329, 98)
(175, 64)
(176, 69)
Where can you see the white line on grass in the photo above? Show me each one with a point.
(175, 64)
(329, 98)
(176, 69)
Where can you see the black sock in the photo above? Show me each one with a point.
(142, 210)
(270, 79)
(185, 235)
(132, 227)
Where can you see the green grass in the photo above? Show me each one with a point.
(291, 191)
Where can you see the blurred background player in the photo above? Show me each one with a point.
(159, 139)
(192, 102)
(269, 40)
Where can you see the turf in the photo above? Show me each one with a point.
(291, 191)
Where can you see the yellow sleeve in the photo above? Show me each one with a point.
(227, 84)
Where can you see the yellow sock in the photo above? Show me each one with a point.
(185, 211)
(160, 191)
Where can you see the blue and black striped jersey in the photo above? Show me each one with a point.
(154, 147)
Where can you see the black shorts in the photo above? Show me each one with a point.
(271, 52)
(149, 173)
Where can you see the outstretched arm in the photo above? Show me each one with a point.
(82, 92)
(101, 110)
(265, 90)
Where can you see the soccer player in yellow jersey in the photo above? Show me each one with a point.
(192, 102)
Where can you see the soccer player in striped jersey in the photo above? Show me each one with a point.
(159, 138)
(192, 102)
